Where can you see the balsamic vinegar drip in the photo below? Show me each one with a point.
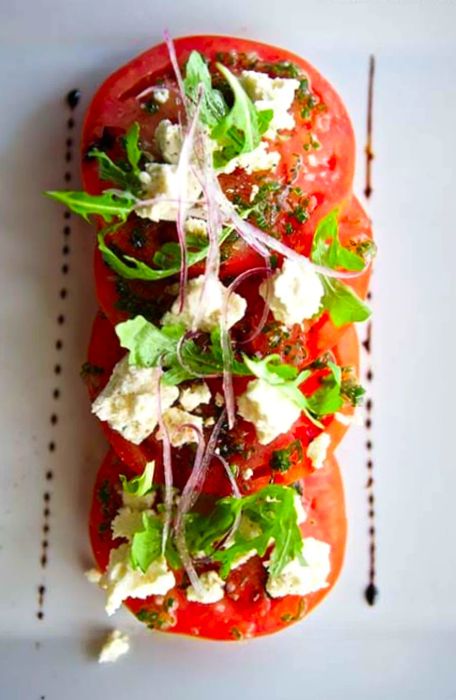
(72, 101)
(370, 109)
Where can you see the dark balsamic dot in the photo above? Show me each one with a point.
(63, 293)
(45, 544)
(67, 215)
(370, 483)
(65, 269)
(369, 296)
(45, 529)
(58, 344)
(40, 615)
(369, 375)
(49, 475)
(41, 589)
(370, 464)
(66, 230)
(46, 496)
(369, 405)
(371, 514)
(368, 423)
(371, 499)
(70, 123)
(54, 419)
(57, 369)
(61, 319)
(372, 531)
(65, 250)
(51, 447)
(73, 98)
(69, 143)
(43, 560)
(68, 157)
(46, 512)
(67, 177)
(368, 445)
(371, 594)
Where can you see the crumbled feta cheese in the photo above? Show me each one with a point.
(254, 161)
(126, 523)
(209, 421)
(212, 589)
(318, 449)
(194, 395)
(116, 644)
(207, 311)
(297, 579)
(121, 581)
(128, 402)
(134, 502)
(247, 474)
(299, 508)
(160, 181)
(93, 575)
(296, 292)
(272, 93)
(253, 192)
(168, 139)
(177, 424)
(161, 95)
(219, 400)
(196, 227)
(271, 412)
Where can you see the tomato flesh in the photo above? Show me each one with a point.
(246, 610)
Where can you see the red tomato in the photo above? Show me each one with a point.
(246, 610)
(104, 353)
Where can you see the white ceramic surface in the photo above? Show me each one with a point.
(403, 647)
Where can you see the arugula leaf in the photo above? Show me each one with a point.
(269, 513)
(239, 131)
(342, 303)
(146, 544)
(327, 249)
(271, 369)
(148, 344)
(132, 148)
(168, 258)
(108, 170)
(328, 399)
(109, 205)
(141, 484)
(213, 107)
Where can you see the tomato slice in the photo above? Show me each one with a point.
(105, 352)
(246, 610)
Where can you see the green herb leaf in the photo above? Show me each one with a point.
(146, 544)
(281, 460)
(238, 132)
(109, 205)
(267, 514)
(327, 399)
(139, 485)
(168, 258)
(327, 249)
(343, 305)
(108, 170)
(213, 107)
(132, 148)
(148, 344)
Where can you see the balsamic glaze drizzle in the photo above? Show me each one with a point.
(371, 591)
(72, 101)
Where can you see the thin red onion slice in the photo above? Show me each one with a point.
(167, 462)
(237, 494)
(177, 72)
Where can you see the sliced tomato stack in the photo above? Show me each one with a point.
(316, 169)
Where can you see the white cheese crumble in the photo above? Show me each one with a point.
(127, 522)
(161, 95)
(318, 449)
(117, 644)
(271, 412)
(93, 575)
(168, 139)
(196, 227)
(296, 292)
(129, 403)
(121, 581)
(254, 161)
(207, 311)
(212, 589)
(297, 579)
(194, 395)
(247, 474)
(176, 422)
(160, 181)
(272, 93)
(299, 508)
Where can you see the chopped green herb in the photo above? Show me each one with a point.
(282, 460)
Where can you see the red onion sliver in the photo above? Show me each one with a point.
(167, 462)
(237, 494)
(173, 58)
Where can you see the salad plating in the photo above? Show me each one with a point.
(231, 261)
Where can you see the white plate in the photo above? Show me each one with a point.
(404, 646)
